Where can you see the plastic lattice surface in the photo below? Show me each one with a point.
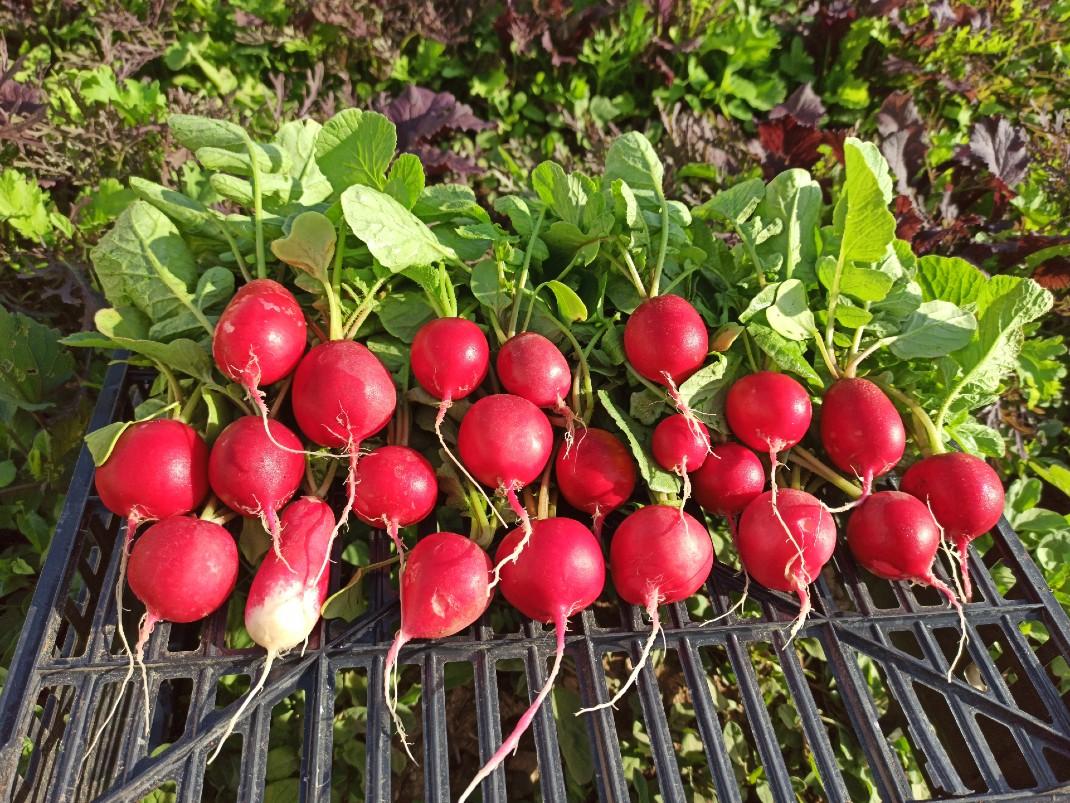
(999, 730)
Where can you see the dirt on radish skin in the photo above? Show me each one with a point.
(861, 430)
(445, 587)
(784, 545)
(560, 573)
(251, 474)
(965, 496)
(288, 592)
(505, 441)
(532, 367)
(396, 487)
(597, 476)
(659, 555)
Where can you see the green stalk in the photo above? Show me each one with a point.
(334, 323)
(522, 280)
(829, 363)
(258, 208)
(172, 385)
(663, 244)
(834, 297)
(339, 252)
(852, 366)
(631, 272)
(809, 461)
(191, 404)
(932, 431)
(234, 250)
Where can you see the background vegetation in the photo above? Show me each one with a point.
(970, 104)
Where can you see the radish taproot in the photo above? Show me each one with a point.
(784, 540)
(597, 476)
(560, 573)
(861, 430)
(288, 590)
(396, 487)
(505, 441)
(659, 555)
(681, 445)
(965, 496)
(251, 474)
(341, 396)
(893, 535)
(445, 587)
(530, 366)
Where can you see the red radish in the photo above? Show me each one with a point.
(253, 476)
(965, 496)
(506, 441)
(729, 479)
(288, 591)
(681, 445)
(659, 555)
(532, 367)
(597, 476)
(769, 412)
(182, 569)
(445, 587)
(396, 487)
(894, 536)
(341, 396)
(561, 572)
(861, 430)
(259, 338)
(784, 540)
(450, 358)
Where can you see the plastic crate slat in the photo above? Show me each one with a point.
(435, 733)
(1037, 675)
(489, 731)
(657, 725)
(378, 737)
(543, 727)
(254, 759)
(318, 742)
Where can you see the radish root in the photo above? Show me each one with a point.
(443, 406)
(392, 530)
(390, 688)
(513, 740)
(525, 523)
(571, 419)
(270, 517)
(351, 495)
(801, 587)
(655, 628)
(255, 690)
(148, 622)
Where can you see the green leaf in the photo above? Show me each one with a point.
(356, 147)
(7, 473)
(33, 366)
(188, 214)
(309, 246)
(794, 198)
(761, 300)
(441, 202)
(1054, 473)
(656, 478)
(789, 355)
(935, 329)
(101, 442)
(143, 262)
(406, 180)
(562, 193)
(790, 314)
(735, 204)
(348, 602)
(864, 284)
(486, 287)
(704, 390)
(572, 734)
(23, 205)
(632, 159)
(868, 226)
(195, 132)
(570, 306)
(297, 139)
(393, 234)
(979, 439)
(950, 279)
(269, 159)
(403, 313)
(214, 288)
(852, 317)
(254, 541)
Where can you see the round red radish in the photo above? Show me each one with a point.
(532, 367)
(155, 470)
(965, 496)
(396, 487)
(449, 358)
(260, 336)
(342, 394)
(784, 538)
(251, 474)
(729, 480)
(445, 587)
(768, 411)
(560, 573)
(680, 444)
(861, 430)
(597, 475)
(289, 589)
(665, 340)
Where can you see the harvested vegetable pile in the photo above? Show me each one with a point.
(585, 372)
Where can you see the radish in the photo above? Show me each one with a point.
(341, 396)
(783, 543)
(253, 476)
(659, 555)
(532, 367)
(681, 445)
(259, 338)
(861, 430)
(597, 476)
(729, 479)
(561, 572)
(965, 496)
(396, 487)
(445, 587)
(506, 442)
(894, 536)
(182, 569)
(288, 590)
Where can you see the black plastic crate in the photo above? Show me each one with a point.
(1000, 730)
